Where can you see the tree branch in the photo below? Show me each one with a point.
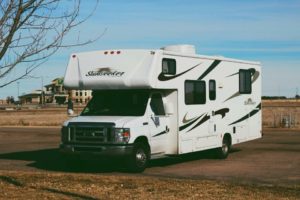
(33, 30)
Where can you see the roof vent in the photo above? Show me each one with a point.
(184, 48)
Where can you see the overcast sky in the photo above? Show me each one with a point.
(260, 30)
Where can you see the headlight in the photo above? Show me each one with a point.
(64, 134)
(122, 135)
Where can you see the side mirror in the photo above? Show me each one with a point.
(155, 119)
(169, 107)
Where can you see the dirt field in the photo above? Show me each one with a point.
(16, 185)
(31, 168)
(34, 117)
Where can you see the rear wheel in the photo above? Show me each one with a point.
(223, 151)
(139, 159)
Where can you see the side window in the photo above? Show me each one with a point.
(195, 92)
(212, 89)
(157, 104)
(169, 66)
(245, 81)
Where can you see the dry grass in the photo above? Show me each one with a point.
(29, 185)
(273, 112)
(35, 117)
(32, 118)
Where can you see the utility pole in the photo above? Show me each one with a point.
(18, 85)
(42, 91)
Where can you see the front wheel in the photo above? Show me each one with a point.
(139, 159)
(223, 151)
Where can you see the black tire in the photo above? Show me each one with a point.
(223, 151)
(139, 159)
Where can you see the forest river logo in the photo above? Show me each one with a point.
(105, 71)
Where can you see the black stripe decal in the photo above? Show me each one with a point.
(253, 112)
(222, 112)
(203, 120)
(233, 96)
(232, 74)
(255, 76)
(162, 76)
(185, 120)
(189, 124)
(161, 133)
(210, 68)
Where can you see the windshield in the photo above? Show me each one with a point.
(117, 103)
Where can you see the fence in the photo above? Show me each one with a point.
(281, 114)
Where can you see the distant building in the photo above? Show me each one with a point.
(31, 98)
(3, 101)
(60, 94)
(56, 93)
(80, 96)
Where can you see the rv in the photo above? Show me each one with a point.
(151, 104)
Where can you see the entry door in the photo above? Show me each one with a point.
(159, 124)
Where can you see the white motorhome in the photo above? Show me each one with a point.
(155, 103)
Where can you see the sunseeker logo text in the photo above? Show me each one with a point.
(105, 72)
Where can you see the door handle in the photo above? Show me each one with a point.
(167, 129)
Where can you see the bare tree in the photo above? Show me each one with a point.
(33, 30)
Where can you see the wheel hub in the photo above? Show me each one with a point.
(141, 157)
(224, 148)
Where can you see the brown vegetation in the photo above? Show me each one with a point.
(35, 117)
(30, 185)
(281, 113)
(276, 114)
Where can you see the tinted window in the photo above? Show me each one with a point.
(212, 89)
(169, 66)
(157, 104)
(117, 103)
(245, 81)
(195, 92)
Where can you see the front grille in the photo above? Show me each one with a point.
(90, 133)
